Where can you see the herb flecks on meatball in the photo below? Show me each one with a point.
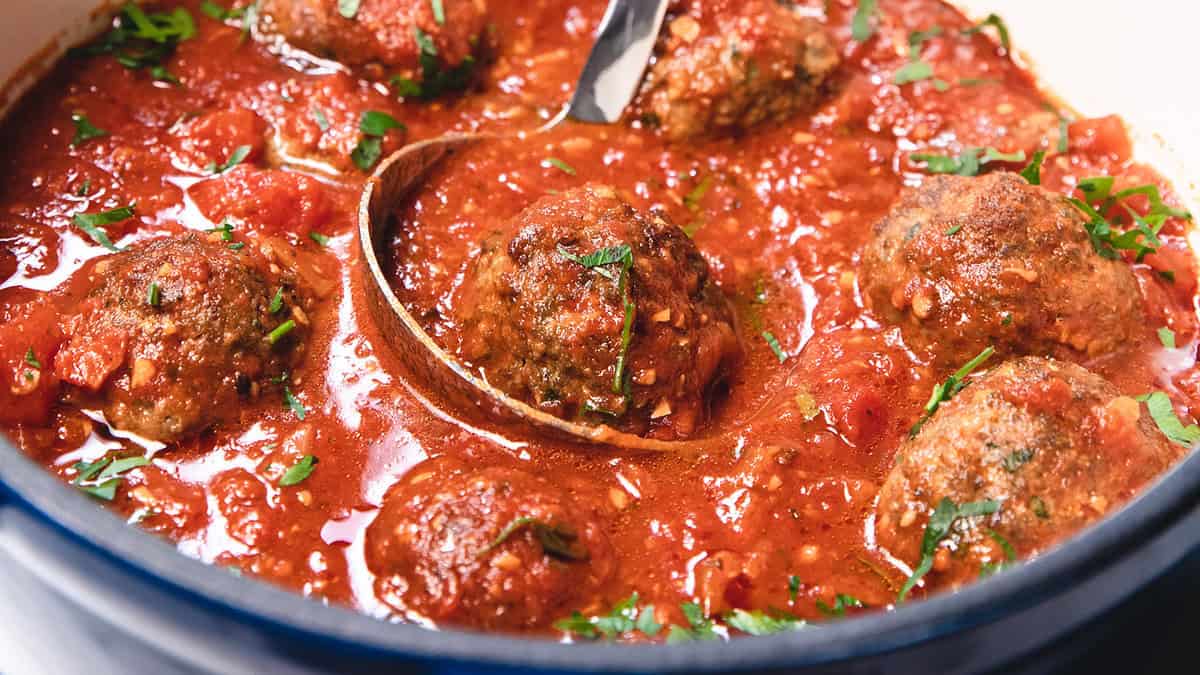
(177, 332)
(730, 66)
(1033, 451)
(496, 548)
(427, 48)
(588, 308)
(963, 263)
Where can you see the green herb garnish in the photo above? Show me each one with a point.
(692, 199)
(560, 165)
(143, 41)
(374, 125)
(996, 22)
(218, 13)
(938, 528)
(32, 359)
(321, 239)
(1167, 337)
(862, 27)
(793, 588)
(276, 302)
(953, 230)
(1163, 414)
(153, 295)
(699, 626)
(281, 331)
(436, 79)
(1038, 505)
(1016, 459)
(322, 120)
(757, 622)
(968, 163)
(624, 617)
(945, 391)
(773, 343)
(294, 404)
(84, 129)
(841, 602)
(1099, 199)
(299, 471)
(238, 155)
(557, 541)
(91, 224)
(1032, 172)
(1010, 556)
(439, 12)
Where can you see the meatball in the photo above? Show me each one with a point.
(963, 263)
(587, 307)
(727, 66)
(1055, 445)
(496, 548)
(388, 35)
(177, 333)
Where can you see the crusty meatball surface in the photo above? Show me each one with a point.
(496, 548)
(963, 263)
(177, 333)
(637, 342)
(1054, 444)
(381, 33)
(726, 66)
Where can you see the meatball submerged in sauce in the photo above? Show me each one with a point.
(177, 332)
(589, 308)
(409, 36)
(727, 66)
(963, 263)
(1046, 447)
(496, 548)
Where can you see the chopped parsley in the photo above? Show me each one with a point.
(240, 153)
(216, 12)
(560, 165)
(281, 331)
(321, 239)
(996, 22)
(84, 129)
(773, 343)
(276, 302)
(624, 617)
(436, 78)
(913, 71)
(557, 541)
(598, 261)
(916, 69)
(1163, 414)
(153, 295)
(298, 472)
(374, 125)
(439, 12)
(953, 230)
(841, 602)
(969, 163)
(945, 391)
(1038, 505)
(226, 230)
(1032, 173)
(938, 528)
(862, 27)
(699, 626)
(757, 622)
(92, 224)
(1010, 556)
(793, 588)
(101, 477)
(1167, 337)
(84, 188)
(141, 41)
(31, 359)
(294, 404)
(1099, 200)
(348, 8)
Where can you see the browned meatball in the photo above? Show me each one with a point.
(546, 327)
(963, 263)
(383, 33)
(727, 66)
(177, 333)
(1054, 444)
(494, 549)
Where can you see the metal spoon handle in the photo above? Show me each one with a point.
(615, 66)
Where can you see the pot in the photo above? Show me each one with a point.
(213, 621)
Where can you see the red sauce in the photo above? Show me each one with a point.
(780, 213)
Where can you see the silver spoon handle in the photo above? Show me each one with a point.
(615, 66)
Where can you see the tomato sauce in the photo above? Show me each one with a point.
(775, 510)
